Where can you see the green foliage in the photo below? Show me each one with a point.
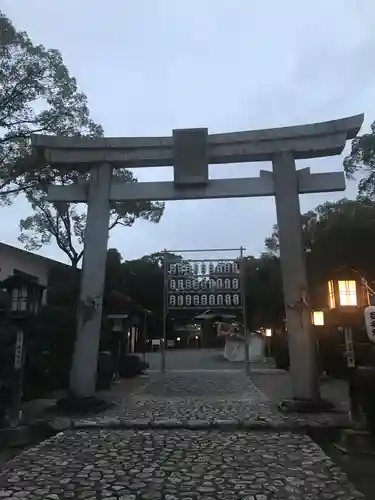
(37, 95)
(142, 279)
(106, 370)
(362, 160)
(65, 224)
(366, 382)
(264, 295)
(308, 221)
(63, 286)
(336, 235)
(49, 352)
(344, 237)
(131, 366)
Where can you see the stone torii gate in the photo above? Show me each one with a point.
(190, 152)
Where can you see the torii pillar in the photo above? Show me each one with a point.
(89, 321)
(302, 350)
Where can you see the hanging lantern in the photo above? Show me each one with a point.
(347, 293)
(219, 268)
(227, 267)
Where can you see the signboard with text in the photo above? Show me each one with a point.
(18, 353)
(202, 284)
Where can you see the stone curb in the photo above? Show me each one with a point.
(225, 425)
(43, 429)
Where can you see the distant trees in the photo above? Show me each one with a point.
(336, 235)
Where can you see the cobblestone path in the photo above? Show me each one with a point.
(185, 463)
(172, 465)
(203, 398)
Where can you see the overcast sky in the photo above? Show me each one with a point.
(148, 66)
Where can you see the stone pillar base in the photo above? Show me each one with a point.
(72, 404)
(306, 406)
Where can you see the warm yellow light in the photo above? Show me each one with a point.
(331, 295)
(347, 292)
(268, 332)
(318, 318)
(178, 339)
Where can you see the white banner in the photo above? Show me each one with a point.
(370, 322)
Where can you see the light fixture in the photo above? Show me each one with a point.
(342, 293)
(178, 339)
(25, 295)
(317, 318)
(268, 332)
(347, 292)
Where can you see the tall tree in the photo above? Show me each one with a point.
(344, 236)
(264, 294)
(65, 224)
(336, 235)
(142, 278)
(308, 221)
(38, 95)
(362, 160)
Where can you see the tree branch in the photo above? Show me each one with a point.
(66, 221)
(116, 221)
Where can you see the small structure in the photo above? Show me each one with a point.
(210, 319)
(16, 261)
(235, 345)
(24, 296)
(128, 321)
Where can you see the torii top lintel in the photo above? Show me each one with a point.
(304, 141)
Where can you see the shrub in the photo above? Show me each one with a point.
(280, 352)
(106, 370)
(131, 366)
(366, 382)
(332, 360)
(50, 339)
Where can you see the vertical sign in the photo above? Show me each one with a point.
(18, 353)
(349, 347)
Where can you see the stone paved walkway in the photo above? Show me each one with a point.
(202, 398)
(173, 465)
(161, 443)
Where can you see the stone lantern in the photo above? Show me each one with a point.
(25, 296)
